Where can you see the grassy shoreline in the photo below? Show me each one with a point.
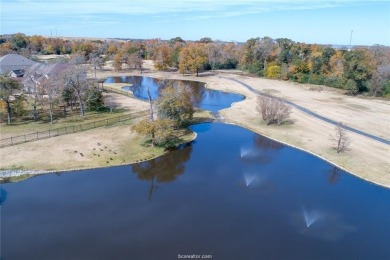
(98, 148)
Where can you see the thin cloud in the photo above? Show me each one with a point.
(161, 8)
(104, 18)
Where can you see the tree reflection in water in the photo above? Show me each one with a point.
(3, 196)
(163, 169)
(260, 151)
(266, 143)
(334, 175)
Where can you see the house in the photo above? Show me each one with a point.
(30, 73)
(16, 74)
(11, 62)
(36, 74)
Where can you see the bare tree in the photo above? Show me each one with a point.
(273, 110)
(96, 61)
(341, 138)
(37, 100)
(76, 79)
(263, 48)
(135, 61)
(52, 89)
(77, 59)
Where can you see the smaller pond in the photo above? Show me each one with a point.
(203, 98)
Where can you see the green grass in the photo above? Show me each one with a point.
(27, 127)
(16, 178)
(201, 116)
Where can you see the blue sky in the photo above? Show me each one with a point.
(310, 21)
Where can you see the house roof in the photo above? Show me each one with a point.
(39, 72)
(11, 62)
(18, 72)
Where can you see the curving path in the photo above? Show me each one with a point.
(307, 111)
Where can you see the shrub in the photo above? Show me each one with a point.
(273, 72)
(333, 82)
(272, 110)
(351, 87)
(94, 99)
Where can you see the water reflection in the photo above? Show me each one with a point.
(163, 169)
(260, 151)
(266, 143)
(202, 97)
(334, 175)
(208, 197)
(3, 196)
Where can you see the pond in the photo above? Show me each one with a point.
(231, 194)
(207, 99)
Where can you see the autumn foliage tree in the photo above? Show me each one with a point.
(175, 103)
(162, 57)
(175, 110)
(117, 62)
(159, 130)
(192, 58)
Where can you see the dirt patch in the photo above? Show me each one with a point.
(360, 107)
(270, 91)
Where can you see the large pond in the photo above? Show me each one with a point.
(231, 194)
(202, 97)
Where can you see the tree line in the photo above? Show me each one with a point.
(360, 70)
(51, 97)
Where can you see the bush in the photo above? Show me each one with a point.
(351, 87)
(273, 72)
(272, 110)
(333, 82)
(317, 79)
(386, 92)
(94, 99)
(226, 65)
(301, 78)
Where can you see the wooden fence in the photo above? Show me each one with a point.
(39, 135)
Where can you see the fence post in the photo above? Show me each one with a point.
(58, 132)
(94, 124)
(49, 133)
(37, 136)
(66, 131)
(73, 129)
(81, 128)
(11, 141)
(107, 122)
(25, 140)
